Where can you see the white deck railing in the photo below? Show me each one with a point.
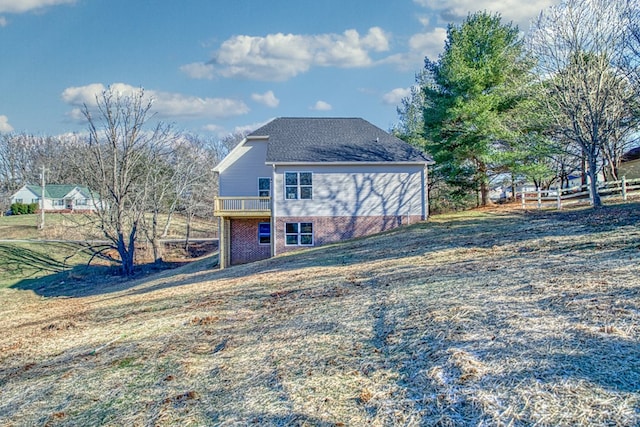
(241, 205)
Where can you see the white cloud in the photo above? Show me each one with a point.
(222, 132)
(21, 6)
(429, 43)
(214, 129)
(165, 104)
(4, 124)
(3, 21)
(246, 129)
(278, 57)
(519, 12)
(395, 96)
(321, 106)
(199, 70)
(268, 98)
(426, 44)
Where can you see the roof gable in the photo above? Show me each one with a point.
(58, 191)
(334, 140)
(235, 153)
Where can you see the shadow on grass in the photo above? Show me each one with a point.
(79, 281)
(484, 231)
(422, 239)
(83, 280)
(16, 258)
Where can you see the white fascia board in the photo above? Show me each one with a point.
(70, 194)
(348, 163)
(236, 153)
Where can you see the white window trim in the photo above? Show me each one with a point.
(298, 186)
(299, 234)
(269, 189)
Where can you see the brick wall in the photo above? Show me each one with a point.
(333, 229)
(244, 241)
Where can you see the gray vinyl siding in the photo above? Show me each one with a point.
(356, 190)
(240, 178)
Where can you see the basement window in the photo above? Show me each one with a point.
(299, 234)
(264, 233)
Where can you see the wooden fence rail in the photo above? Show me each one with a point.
(560, 197)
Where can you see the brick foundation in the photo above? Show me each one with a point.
(244, 241)
(334, 229)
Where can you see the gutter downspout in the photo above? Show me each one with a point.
(273, 211)
(425, 193)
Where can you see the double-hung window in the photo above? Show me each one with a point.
(299, 234)
(264, 187)
(298, 185)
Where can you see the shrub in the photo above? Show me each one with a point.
(24, 208)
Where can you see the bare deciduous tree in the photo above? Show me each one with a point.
(582, 51)
(117, 165)
(197, 157)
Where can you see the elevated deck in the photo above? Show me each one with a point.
(242, 207)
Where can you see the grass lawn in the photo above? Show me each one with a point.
(31, 261)
(482, 318)
(81, 227)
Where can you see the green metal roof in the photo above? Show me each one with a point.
(57, 191)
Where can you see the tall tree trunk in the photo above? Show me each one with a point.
(593, 178)
(583, 167)
(155, 239)
(188, 232)
(127, 253)
(167, 224)
(484, 185)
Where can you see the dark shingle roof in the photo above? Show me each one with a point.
(310, 140)
(632, 154)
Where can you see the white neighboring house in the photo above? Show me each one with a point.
(58, 197)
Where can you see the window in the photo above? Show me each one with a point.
(82, 202)
(264, 233)
(298, 185)
(18, 200)
(299, 234)
(264, 187)
(58, 202)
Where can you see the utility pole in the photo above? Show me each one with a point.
(41, 227)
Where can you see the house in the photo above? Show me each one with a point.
(630, 165)
(58, 197)
(303, 182)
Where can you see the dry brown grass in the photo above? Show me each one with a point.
(78, 226)
(485, 318)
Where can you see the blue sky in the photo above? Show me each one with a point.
(220, 66)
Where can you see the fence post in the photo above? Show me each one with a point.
(559, 198)
(539, 198)
(522, 197)
(590, 192)
(624, 189)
